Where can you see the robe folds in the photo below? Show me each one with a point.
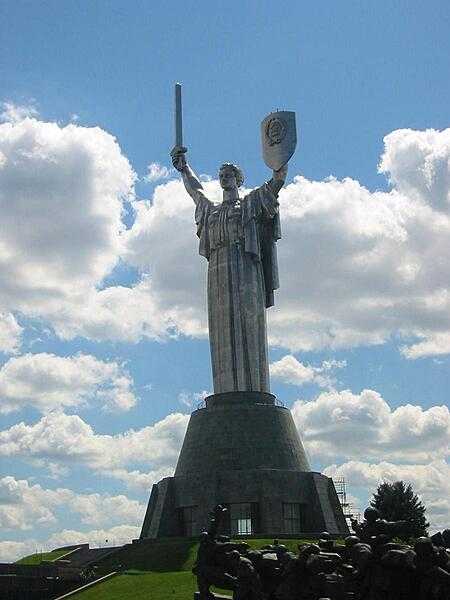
(239, 242)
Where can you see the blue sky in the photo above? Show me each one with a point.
(102, 311)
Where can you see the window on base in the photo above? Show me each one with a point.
(292, 517)
(243, 518)
(188, 520)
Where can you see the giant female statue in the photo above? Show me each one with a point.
(238, 238)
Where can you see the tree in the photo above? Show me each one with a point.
(397, 502)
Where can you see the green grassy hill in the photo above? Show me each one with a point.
(156, 570)
(36, 559)
(141, 585)
(163, 555)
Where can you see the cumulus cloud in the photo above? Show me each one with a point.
(13, 113)
(24, 506)
(434, 344)
(10, 334)
(346, 425)
(289, 370)
(118, 535)
(66, 440)
(61, 200)
(46, 382)
(142, 481)
(156, 172)
(417, 164)
(11, 551)
(98, 509)
(357, 267)
(127, 314)
(191, 399)
(407, 443)
(62, 192)
(430, 481)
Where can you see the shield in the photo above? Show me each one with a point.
(279, 138)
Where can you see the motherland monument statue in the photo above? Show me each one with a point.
(238, 238)
(241, 449)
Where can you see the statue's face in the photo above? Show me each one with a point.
(227, 178)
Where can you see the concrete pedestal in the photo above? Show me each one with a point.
(243, 450)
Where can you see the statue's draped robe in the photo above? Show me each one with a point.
(239, 242)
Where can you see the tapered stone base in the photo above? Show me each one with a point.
(243, 449)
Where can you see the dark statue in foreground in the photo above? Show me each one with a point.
(370, 566)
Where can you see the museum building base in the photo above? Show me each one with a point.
(242, 450)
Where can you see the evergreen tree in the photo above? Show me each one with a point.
(397, 502)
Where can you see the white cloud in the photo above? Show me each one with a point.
(124, 313)
(430, 481)
(10, 334)
(13, 113)
(100, 509)
(121, 534)
(417, 164)
(142, 481)
(47, 382)
(289, 370)
(343, 425)
(356, 267)
(24, 506)
(156, 172)
(61, 200)
(411, 442)
(66, 440)
(11, 551)
(433, 345)
(191, 399)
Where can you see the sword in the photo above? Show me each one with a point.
(178, 116)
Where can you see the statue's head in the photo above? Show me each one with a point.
(351, 540)
(230, 176)
(371, 514)
(424, 547)
(446, 537)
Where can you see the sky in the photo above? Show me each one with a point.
(103, 335)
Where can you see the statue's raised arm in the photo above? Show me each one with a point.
(191, 182)
(279, 140)
(278, 179)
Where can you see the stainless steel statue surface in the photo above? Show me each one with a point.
(238, 238)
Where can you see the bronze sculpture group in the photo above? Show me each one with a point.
(373, 565)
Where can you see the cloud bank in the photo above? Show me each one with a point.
(24, 506)
(67, 440)
(338, 428)
(47, 382)
(357, 267)
(289, 370)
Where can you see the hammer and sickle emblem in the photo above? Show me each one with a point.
(275, 131)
